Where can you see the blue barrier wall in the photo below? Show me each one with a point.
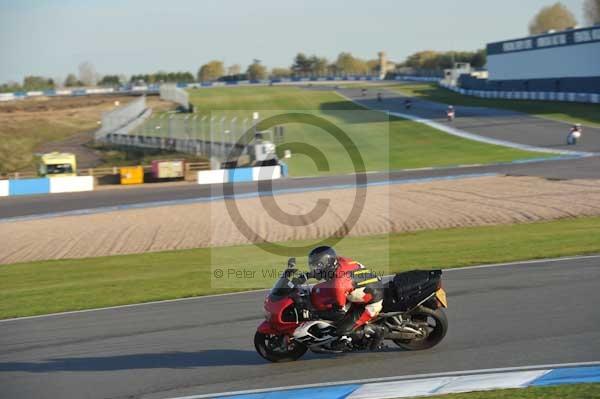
(567, 85)
(240, 175)
(29, 186)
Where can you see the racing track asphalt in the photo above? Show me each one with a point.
(11, 207)
(505, 316)
(501, 124)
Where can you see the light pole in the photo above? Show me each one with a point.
(203, 130)
(222, 124)
(212, 134)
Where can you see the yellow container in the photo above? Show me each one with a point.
(132, 175)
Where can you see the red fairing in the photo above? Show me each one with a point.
(266, 328)
(275, 310)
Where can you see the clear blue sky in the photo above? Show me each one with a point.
(52, 37)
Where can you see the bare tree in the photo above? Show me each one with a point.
(234, 69)
(555, 17)
(591, 11)
(87, 73)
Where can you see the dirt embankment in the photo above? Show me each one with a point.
(45, 124)
(396, 208)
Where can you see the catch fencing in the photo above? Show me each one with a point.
(124, 119)
(211, 136)
(175, 94)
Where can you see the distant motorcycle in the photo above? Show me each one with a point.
(451, 115)
(574, 135)
(408, 105)
(297, 318)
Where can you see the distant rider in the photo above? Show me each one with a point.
(574, 134)
(451, 113)
(351, 289)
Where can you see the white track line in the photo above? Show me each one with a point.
(389, 379)
(199, 298)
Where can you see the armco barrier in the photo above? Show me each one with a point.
(212, 176)
(3, 188)
(29, 186)
(266, 173)
(71, 184)
(44, 185)
(241, 175)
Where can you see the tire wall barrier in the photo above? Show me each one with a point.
(46, 185)
(239, 175)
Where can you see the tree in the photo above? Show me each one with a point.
(591, 11)
(348, 64)
(210, 71)
(71, 80)
(302, 65)
(479, 59)
(318, 65)
(256, 71)
(10, 87)
(109, 80)
(373, 67)
(555, 17)
(432, 60)
(87, 74)
(279, 73)
(34, 83)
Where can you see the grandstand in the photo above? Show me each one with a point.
(566, 61)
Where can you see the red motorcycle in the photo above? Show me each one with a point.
(296, 318)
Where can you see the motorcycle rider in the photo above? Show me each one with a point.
(450, 113)
(574, 134)
(355, 292)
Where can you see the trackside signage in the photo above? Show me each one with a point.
(559, 39)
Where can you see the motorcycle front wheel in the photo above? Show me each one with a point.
(268, 346)
(434, 321)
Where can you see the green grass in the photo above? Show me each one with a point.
(587, 114)
(54, 286)
(576, 391)
(384, 144)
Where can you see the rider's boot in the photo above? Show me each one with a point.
(376, 333)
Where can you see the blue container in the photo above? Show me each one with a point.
(29, 186)
(239, 175)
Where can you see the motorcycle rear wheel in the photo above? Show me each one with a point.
(264, 350)
(435, 336)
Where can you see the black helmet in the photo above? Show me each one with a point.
(322, 262)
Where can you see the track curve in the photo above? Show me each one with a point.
(505, 316)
